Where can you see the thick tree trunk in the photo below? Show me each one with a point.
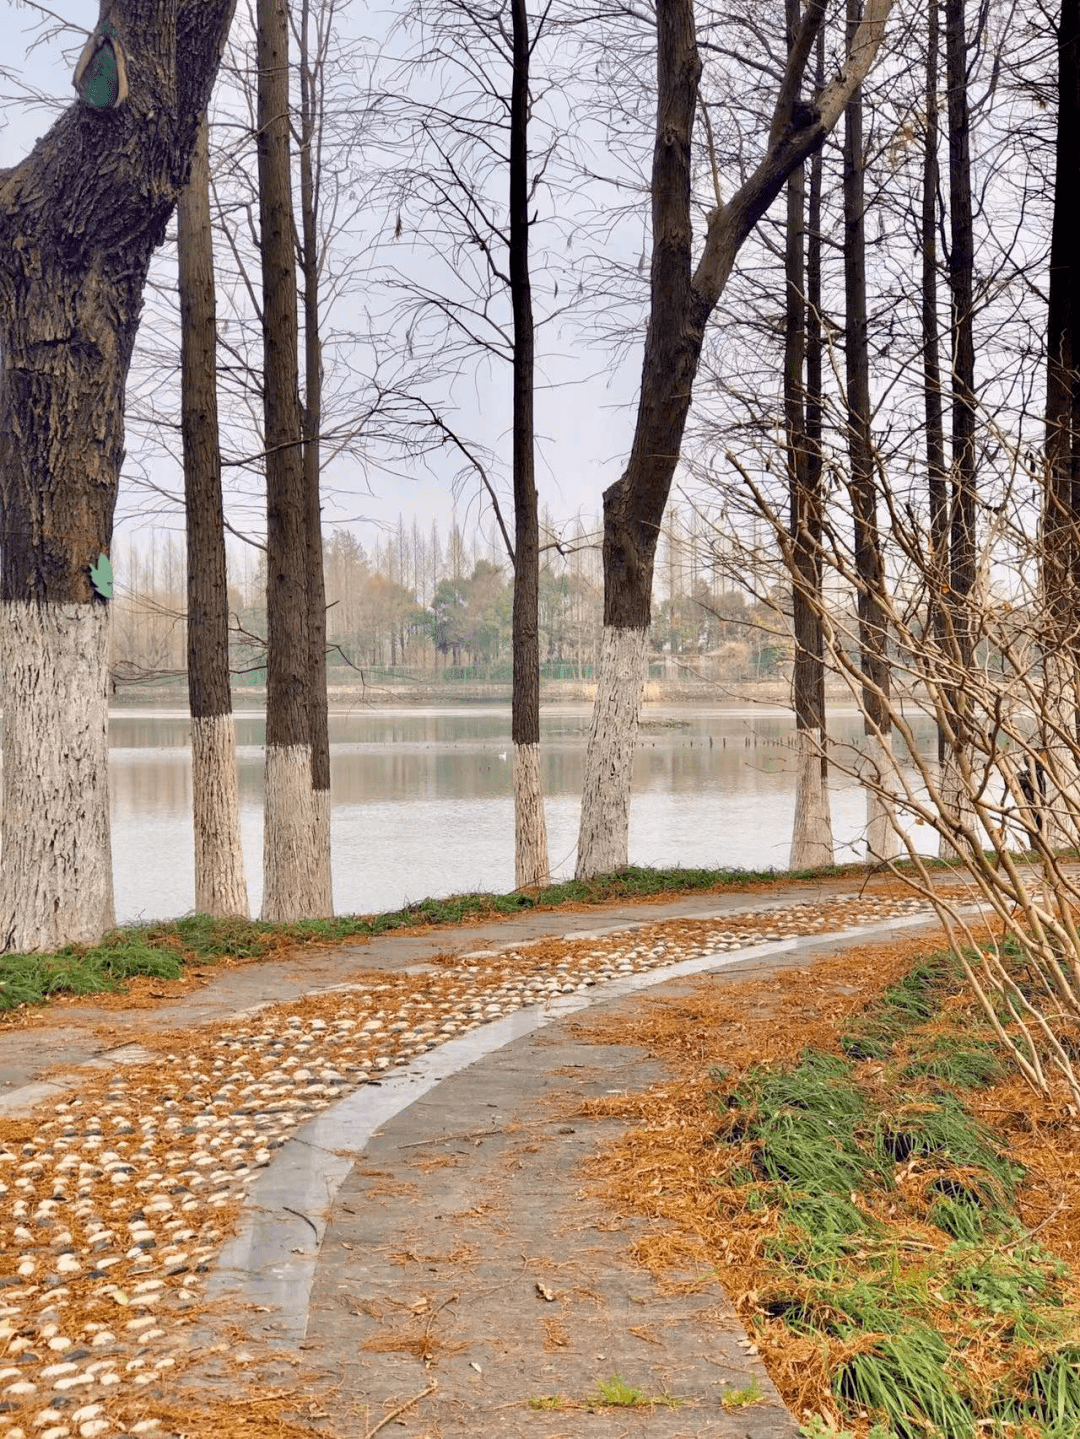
(289, 890)
(882, 840)
(57, 874)
(531, 865)
(682, 299)
(605, 801)
(322, 897)
(79, 221)
(220, 885)
(962, 536)
(811, 835)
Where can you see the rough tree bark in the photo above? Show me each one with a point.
(962, 506)
(811, 836)
(882, 840)
(220, 885)
(530, 830)
(80, 218)
(322, 897)
(289, 824)
(682, 301)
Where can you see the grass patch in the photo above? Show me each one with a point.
(619, 1393)
(751, 1393)
(873, 1218)
(161, 951)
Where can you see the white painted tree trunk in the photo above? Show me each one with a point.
(603, 839)
(220, 884)
(882, 840)
(811, 835)
(288, 832)
(55, 855)
(322, 881)
(531, 867)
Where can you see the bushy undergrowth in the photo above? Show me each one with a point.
(892, 1230)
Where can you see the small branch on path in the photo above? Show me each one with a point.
(401, 1409)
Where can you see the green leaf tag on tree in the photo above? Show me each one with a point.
(101, 577)
(101, 74)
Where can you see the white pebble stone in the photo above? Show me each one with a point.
(61, 1431)
(108, 1379)
(146, 1426)
(47, 1416)
(103, 1336)
(59, 1343)
(87, 1411)
(94, 1427)
(22, 1387)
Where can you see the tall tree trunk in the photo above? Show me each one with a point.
(811, 839)
(318, 718)
(531, 865)
(682, 300)
(80, 218)
(882, 841)
(289, 825)
(962, 510)
(936, 468)
(220, 885)
(1060, 539)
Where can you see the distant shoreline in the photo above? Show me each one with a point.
(771, 692)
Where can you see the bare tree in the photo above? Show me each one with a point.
(220, 885)
(80, 218)
(683, 298)
(311, 67)
(811, 838)
(1061, 490)
(873, 630)
(963, 494)
(289, 825)
(531, 864)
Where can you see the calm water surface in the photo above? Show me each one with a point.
(422, 801)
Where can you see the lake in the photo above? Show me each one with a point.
(422, 799)
(422, 802)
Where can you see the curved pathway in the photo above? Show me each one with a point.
(116, 1192)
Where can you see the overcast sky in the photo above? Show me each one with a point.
(584, 425)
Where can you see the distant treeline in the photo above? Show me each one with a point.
(415, 603)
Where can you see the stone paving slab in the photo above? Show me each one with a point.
(459, 1209)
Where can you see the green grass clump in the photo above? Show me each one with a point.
(906, 1379)
(911, 1001)
(618, 1393)
(33, 978)
(893, 1237)
(962, 1065)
